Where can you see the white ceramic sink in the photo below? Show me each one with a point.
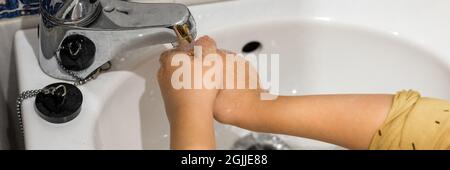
(340, 46)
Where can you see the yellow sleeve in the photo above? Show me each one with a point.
(414, 123)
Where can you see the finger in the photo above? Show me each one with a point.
(183, 43)
(166, 57)
(208, 45)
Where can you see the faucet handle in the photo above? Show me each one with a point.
(70, 12)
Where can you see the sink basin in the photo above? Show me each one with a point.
(324, 46)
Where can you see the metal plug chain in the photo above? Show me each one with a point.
(23, 96)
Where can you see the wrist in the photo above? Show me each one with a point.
(192, 129)
(242, 109)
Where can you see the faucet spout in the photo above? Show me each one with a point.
(111, 26)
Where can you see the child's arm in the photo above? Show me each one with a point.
(346, 120)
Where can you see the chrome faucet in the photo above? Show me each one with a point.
(76, 37)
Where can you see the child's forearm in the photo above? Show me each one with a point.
(346, 120)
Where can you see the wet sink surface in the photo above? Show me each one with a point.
(321, 51)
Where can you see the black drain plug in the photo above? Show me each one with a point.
(59, 102)
(77, 52)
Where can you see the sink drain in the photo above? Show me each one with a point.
(251, 47)
(255, 141)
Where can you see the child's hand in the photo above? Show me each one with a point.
(185, 98)
(190, 111)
